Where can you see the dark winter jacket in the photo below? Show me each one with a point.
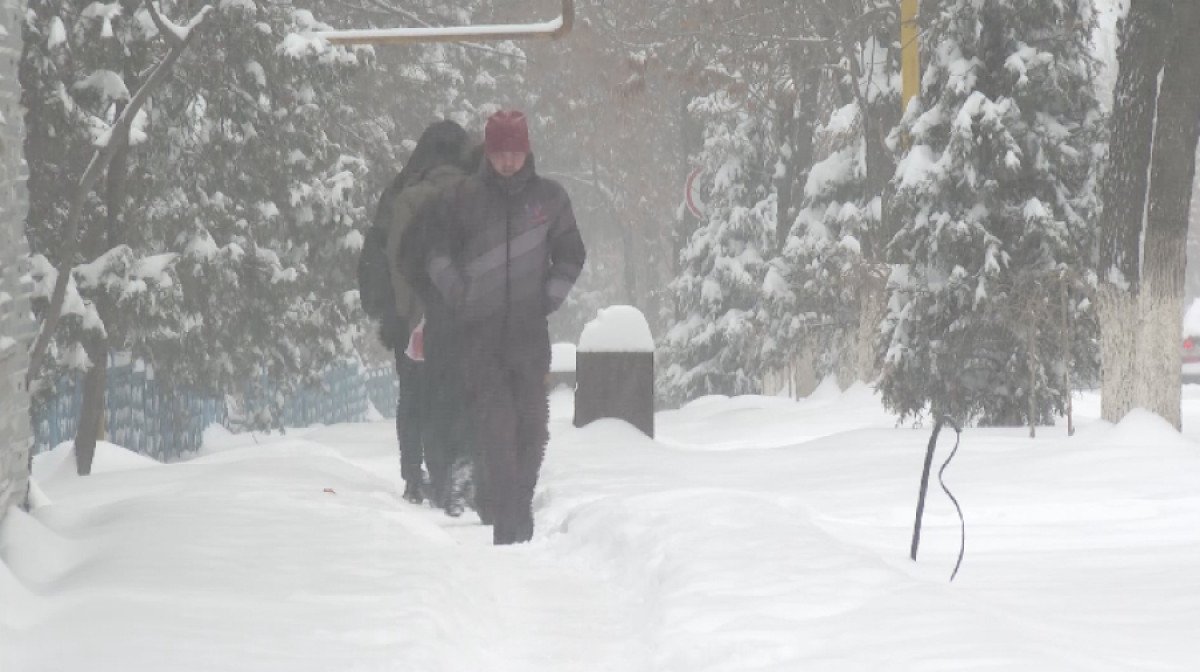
(507, 253)
(374, 276)
(404, 208)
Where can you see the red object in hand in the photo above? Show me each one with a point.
(416, 343)
(1188, 344)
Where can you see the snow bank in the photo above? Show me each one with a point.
(373, 414)
(59, 463)
(296, 552)
(562, 358)
(617, 329)
(37, 496)
(27, 552)
(794, 557)
(716, 423)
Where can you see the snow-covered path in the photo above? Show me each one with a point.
(241, 560)
(754, 534)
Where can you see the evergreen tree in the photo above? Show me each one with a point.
(718, 345)
(220, 249)
(260, 203)
(994, 196)
(833, 257)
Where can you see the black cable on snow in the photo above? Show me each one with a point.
(962, 522)
(916, 538)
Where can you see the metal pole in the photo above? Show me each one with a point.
(550, 30)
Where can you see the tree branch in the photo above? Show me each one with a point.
(118, 138)
(171, 37)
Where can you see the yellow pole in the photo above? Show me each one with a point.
(910, 53)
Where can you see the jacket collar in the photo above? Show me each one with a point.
(510, 186)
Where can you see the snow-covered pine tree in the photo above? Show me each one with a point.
(833, 257)
(220, 249)
(994, 203)
(260, 208)
(717, 346)
(771, 57)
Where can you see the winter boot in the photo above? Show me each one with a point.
(412, 492)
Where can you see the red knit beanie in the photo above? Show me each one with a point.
(506, 131)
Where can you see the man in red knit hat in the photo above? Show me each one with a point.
(506, 254)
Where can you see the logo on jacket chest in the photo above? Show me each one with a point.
(536, 214)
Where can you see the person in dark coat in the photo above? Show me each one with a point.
(449, 433)
(506, 255)
(434, 166)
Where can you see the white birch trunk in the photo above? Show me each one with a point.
(1118, 351)
(1157, 388)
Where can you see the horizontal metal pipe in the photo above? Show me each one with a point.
(551, 30)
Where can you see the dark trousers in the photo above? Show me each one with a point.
(446, 425)
(510, 411)
(410, 417)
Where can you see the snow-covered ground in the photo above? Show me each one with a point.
(754, 534)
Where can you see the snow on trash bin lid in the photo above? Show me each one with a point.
(562, 358)
(617, 329)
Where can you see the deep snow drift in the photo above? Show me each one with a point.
(756, 533)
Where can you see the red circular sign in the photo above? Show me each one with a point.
(689, 196)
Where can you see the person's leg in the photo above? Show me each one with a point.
(533, 417)
(484, 501)
(440, 432)
(409, 428)
(495, 418)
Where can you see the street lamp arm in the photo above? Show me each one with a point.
(552, 29)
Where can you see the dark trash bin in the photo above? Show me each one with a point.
(614, 370)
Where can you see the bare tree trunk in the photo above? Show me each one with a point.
(91, 416)
(803, 152)
(101, 236)
(1068, 362)
(1118, 312)
(1031, 352)
(879, 167)
(1165, 253)
(1124, 191)
(872, 306)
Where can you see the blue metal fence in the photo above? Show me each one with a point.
(383, 389)
(169, 424)
(341, 396)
